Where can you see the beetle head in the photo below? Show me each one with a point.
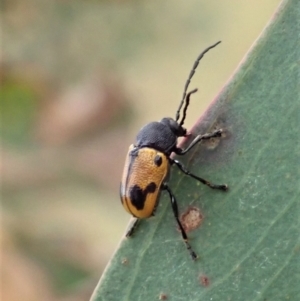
(175, 127)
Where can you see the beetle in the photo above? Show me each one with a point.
(148, 163)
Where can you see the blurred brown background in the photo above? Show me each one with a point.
(78, 79)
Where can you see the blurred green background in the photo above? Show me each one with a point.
(78, 79)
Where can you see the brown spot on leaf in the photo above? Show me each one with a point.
(204, 280)
(191, 219)
(162, 296)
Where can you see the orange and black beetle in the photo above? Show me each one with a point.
(148, 163)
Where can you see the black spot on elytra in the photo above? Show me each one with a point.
(158, 160)
(138, 195)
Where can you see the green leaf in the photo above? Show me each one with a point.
(248, 241)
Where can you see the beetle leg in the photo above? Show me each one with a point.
(132, 228)
(176, 215)
(198, 139)
(223, 187)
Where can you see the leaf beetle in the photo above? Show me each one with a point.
(148, 163)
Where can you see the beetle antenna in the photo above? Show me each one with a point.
(187, 102)
(189, 80)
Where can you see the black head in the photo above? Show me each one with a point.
(186, 96)
(175, 127)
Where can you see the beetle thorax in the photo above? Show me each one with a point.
(161, 136)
